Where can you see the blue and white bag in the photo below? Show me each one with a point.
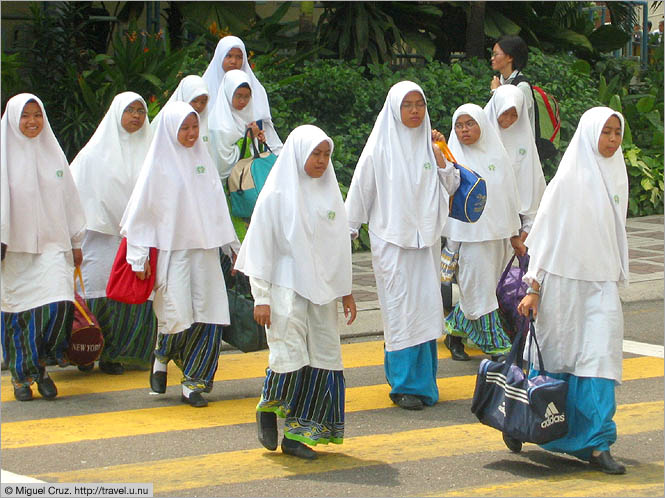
(529, 410)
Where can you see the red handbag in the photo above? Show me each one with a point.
(86, 341)
(123, 284)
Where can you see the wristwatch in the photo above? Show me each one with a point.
(531, 290)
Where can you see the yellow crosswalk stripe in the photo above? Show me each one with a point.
(640, 480)
(174, 474)
(232, 366)
(124, 423)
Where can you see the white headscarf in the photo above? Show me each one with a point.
(214, 73)
(178, 201)
(230, 122)
(41, 209)
(299, 235)
(395, 185)
(580, 228)
(519, 143)
(189, 88)
(489, 159)
(106, 169)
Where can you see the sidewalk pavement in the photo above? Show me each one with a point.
(645, 243)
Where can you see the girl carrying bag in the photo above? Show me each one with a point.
(528, 410)
(86, 341)
(468, 202)
(123, 284)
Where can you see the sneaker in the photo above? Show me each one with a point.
(111, 368)
(23, 393)
(606, 463)
(266, 423)
(407, 401)
(195, 399)
(449, 262)
(297, 449)
(46, 387)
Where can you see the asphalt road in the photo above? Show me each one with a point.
(109, 429)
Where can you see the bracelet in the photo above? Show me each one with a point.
(531, 290)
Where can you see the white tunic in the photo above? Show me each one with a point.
(301, 333)
(480, 268)
(408, 285)
(33, 280)
(99, 250)
(579, 328)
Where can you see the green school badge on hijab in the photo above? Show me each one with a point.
(491, 167)
(522, 151)
(200, 170)
(205, 138)
(616, 199)
(331, 215)
(59, 173)
(428, 165)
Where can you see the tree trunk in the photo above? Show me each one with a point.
(475, 30)
(306, 24)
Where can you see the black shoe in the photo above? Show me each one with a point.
(195, 399)
(23, 393)
(111, 368)
(46, 387)
(514, 445)
(297, 449)
(86, 368)
(606, 463)
(407, 401)
(158, 382)
(266, 423)
(454, 344)
(499, 358)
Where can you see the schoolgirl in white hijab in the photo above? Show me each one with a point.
(178, 207)
(507, 113)
(42, 228)
(579, 257)
(485, 246)
(402, 189)
(222, 62)
(105, 172)
(297, 253)
(193, 90)
(228, 124)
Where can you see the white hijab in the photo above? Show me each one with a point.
(178, 201)
(189, 88)
(106, 169)
(230, 122)
(580, 229)
(395, 185)
(41, 209)
(519, 143)
(299, 235)
(489, 159)
(214, 73)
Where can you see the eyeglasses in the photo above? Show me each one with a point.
(131, 110)
(468, 125)
(412, 105)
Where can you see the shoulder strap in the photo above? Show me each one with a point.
(536, 114)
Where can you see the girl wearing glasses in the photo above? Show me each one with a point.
(401, 187)
(42, 228)
(105, 172)
(484, 247)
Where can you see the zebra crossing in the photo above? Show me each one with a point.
(110, 429)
